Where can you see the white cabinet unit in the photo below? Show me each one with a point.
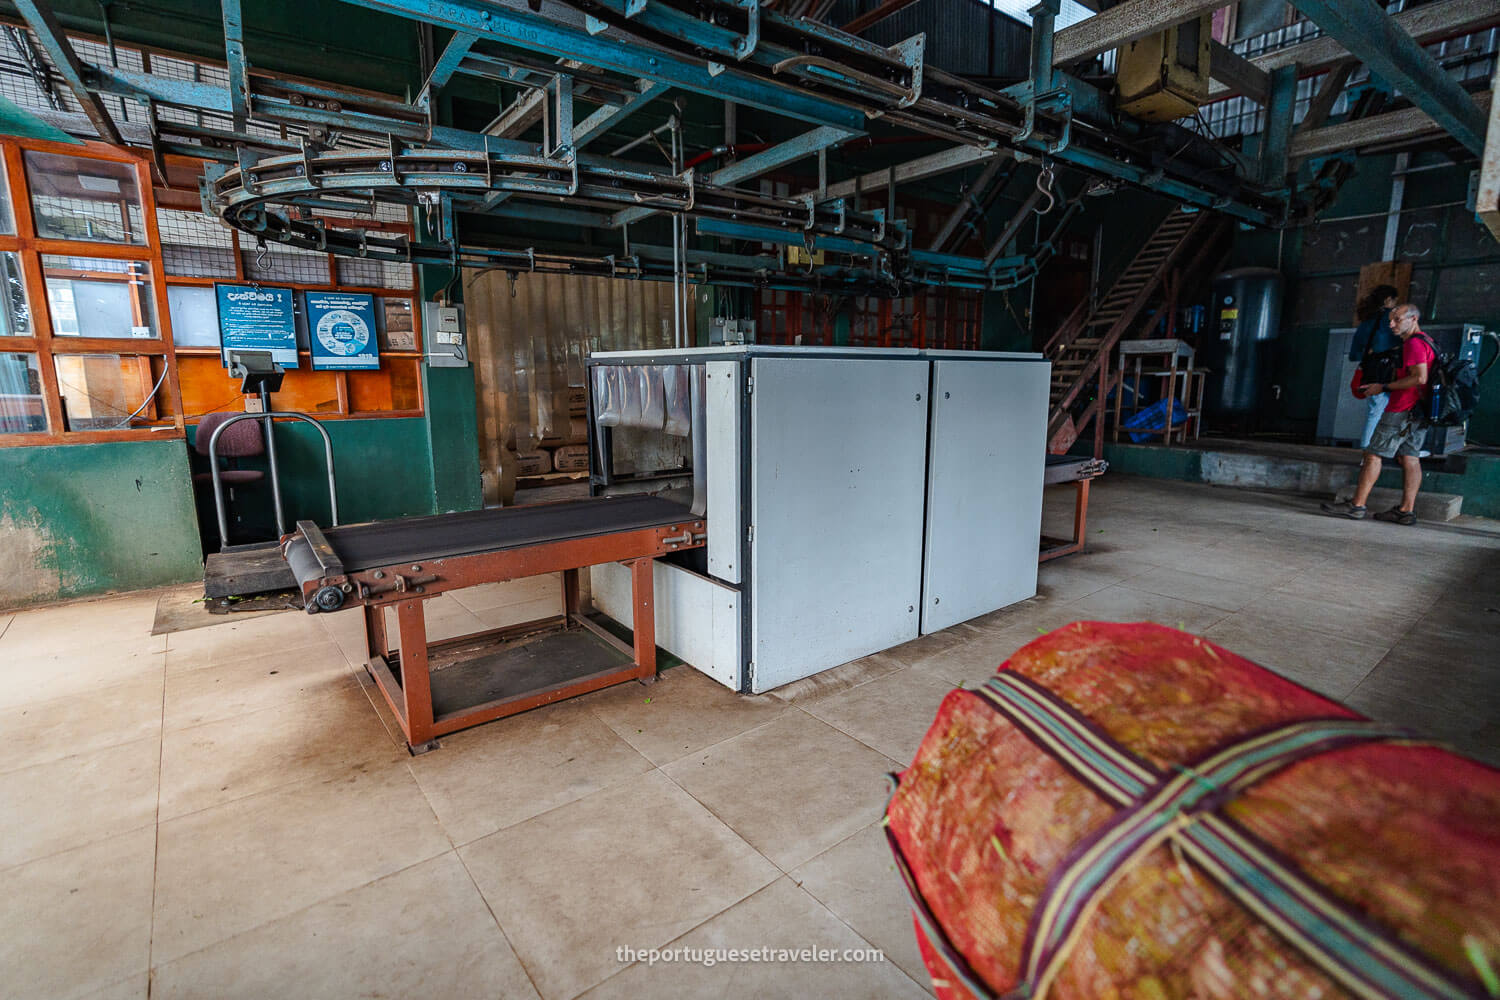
(854, 498)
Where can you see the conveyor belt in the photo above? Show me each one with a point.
(418, 539)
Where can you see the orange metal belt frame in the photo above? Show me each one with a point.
(1053, 548)
(404, 678)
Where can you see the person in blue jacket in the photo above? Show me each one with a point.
(1373, 341)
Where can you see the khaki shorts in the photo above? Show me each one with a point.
(1399, 434)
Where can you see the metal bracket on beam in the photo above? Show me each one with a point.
(557, 119)
(746, 45)
(910, 53)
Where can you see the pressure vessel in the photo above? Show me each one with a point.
(1245, 319)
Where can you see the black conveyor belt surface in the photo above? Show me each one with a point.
(417, 539)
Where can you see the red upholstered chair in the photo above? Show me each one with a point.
(241, 440)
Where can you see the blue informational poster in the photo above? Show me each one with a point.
(341, 330)
(258, 319)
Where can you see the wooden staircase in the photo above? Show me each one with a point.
(1183, 248)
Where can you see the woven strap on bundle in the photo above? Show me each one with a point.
(1181, 808)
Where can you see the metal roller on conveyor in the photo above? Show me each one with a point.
(437, 688)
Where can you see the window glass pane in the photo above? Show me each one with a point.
(195, 315)
(79, 199)
(15, 316)
(193, 245)
(7, 217)
(398, 331)
(112, 391)
(21, 407)
(95, 297)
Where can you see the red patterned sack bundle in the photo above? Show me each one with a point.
(1128, 811)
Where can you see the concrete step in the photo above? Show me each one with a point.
(1429, 506)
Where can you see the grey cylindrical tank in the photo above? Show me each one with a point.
(1245, 317)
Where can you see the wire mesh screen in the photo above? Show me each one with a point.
(364, 273)
(193, 245)
(275, 262)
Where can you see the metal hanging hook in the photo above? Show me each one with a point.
(261, 253)
(1044, 187)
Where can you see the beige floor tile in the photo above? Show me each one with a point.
(262, 680)
(134, 988)
(496, 775)
(1331, 666)
(1043, 613)
(932, 644)
(972, 664)
(489, 596)
(682, 712)
(439, 940)
(77, 673)
(631, 866)
(314, 738)
(1167, 581)
(347, 630)
(858, 881)
(1123, 603)
(890, 714)
(79, 921)
(237, 639)
(443, 618)
(77, 800)
(517, 614)
(227, 870)
(80, 624)
(781, 916)
(840, 678)
(792, 788)
(63, 727)
(1338, 614)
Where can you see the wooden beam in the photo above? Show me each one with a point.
(1239, 73)
(1321, 105)
(1392, 127)
(873, 17)
(1430, 23)
(1487, 201)
(1122, 24)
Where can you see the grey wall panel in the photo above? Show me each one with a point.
(697, 619)
(724, 386)
(986, 460)
(836, 505)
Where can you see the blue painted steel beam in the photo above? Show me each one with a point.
(763, 162)
(610, 116)
(1276, 140)
(239, 69)
(55, 43)
(1369, 33)
(448, 62)
(537, 34)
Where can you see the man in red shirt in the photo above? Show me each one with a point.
(1402, 427)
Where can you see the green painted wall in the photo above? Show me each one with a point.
(1455, 267)
(89, 518)
(381, 466)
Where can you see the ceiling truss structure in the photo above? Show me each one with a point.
(620, 55)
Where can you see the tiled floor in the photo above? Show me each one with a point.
(186, 814)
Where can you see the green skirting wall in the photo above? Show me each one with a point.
(1478, 484)
(90, 518)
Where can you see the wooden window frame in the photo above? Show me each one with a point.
(30, 249)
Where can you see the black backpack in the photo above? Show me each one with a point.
(1453, 385)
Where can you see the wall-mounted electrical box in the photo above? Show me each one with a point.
(722, 330)
(443, 330)
(1165, 75)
